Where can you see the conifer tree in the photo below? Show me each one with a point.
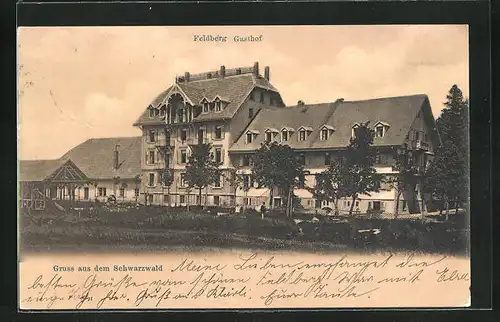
(447, 177)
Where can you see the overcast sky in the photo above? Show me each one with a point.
(95, 81)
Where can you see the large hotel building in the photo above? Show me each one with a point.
(235, 110)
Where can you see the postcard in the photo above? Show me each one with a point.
(254, 167)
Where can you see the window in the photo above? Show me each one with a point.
(212, 105)
(218, 106)
(250, 113)
(152, 136)
(324, 134)
(353, 131)
(201, 135)
(284, 136)
(417, 135)
(262, 97)
(166, 199)
(162, 111)
(151, 181)
(205, 107)
(302, 135)
(151, 157)
(86, 193)
(150, 199)
(183, 180)
(102, 192)
(151, 112)
(136, 192)
(328, 159)
(182, 199)
(181, 115)
(348, 204)
(167, 137)
(425, 137)
(122, 192)
(271, 101)
(246, 201)
(184, 134)
(218, 182)
(378, 158)
(379, 132)
(302, 159)
(218, 155)
(246, 160)
(218, 132)
(246, 181)
(183, 156)
(269, 136)
(357, 203)
(249, 137)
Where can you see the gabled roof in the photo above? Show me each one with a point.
(231, 89)
(329, 127)
(399, 112)
(95, 157)
(38, 170)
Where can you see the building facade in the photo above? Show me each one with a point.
(212, 107)
(236, 110)
(319, 132)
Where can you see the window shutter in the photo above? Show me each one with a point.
(178, 156)
(222, 156)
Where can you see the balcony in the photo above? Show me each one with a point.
(164, 146)
(420, 145)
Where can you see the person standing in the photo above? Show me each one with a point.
(263, 209)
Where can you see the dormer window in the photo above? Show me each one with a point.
(205, 107)
(284, 136)
(324, 135)
(218, 105)
(325, 132)
(151, 112)
(163, 110)
(304, 133)
(250, 136)
(380, 129)
(353, 130)
(262, 97)
(270, 134)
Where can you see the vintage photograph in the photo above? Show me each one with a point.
(267, 150)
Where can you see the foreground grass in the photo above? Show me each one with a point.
(161, 229)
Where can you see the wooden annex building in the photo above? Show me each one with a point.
(53, 179)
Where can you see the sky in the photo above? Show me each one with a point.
(77, 83)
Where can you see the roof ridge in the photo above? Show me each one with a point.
(384, 98)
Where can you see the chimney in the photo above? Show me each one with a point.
(266, 73)
(256, 68)
(300, 103)
(117, 161)
(222, 72)
(186, 76)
